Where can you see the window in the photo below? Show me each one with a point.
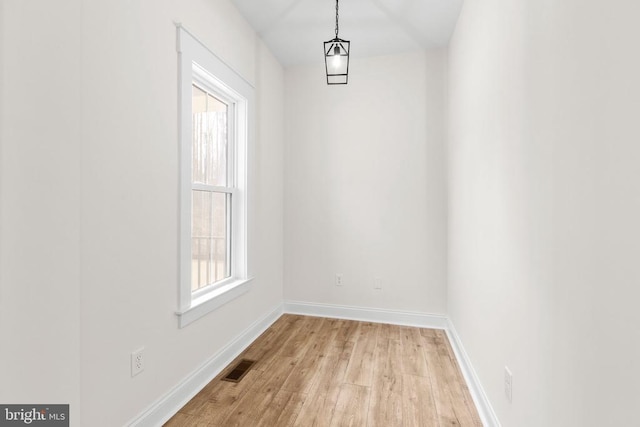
(212, 188)
(215, 112)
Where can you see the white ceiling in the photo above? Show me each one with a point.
(295, 29)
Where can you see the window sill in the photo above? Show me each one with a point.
(213, 300)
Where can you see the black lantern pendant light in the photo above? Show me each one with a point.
(336, 58)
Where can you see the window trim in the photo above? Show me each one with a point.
(200, 65)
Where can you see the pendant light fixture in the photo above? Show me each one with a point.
(336, 58)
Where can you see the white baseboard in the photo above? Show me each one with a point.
(164, 408)
(485, 410)
(405, 318)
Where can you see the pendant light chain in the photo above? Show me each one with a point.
(337, 27)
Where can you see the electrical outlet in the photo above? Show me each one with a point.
(338, 279)
(137, 362)
(377, 283)
(508, 383)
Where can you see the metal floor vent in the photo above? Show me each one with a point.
(241, 369)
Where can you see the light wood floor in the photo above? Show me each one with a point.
(314, 371)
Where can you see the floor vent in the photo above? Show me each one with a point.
(240, 370)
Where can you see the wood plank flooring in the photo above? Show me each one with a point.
(315, 372)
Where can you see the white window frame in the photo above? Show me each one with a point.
(197, 64)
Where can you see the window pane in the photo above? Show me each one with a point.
(199, 101)
(209, 238)
(210, 136)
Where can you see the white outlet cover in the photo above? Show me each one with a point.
(137, 362)
(508, 384)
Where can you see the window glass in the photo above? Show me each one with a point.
(210, 139)
(209, 238)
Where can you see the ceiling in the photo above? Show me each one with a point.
(295, 29)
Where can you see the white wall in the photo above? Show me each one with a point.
(39, 200)
(544, 197)
(130, 193)
(364, 184)
(90, 236)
